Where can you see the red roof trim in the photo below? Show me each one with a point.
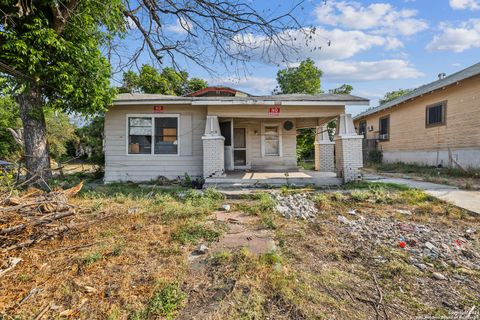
(211, 89)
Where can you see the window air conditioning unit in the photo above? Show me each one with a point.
(370, 128)
(383, 137)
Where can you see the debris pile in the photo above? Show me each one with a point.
(35, 216)
(295, 205)
(428, 245)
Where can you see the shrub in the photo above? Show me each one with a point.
(375, 156)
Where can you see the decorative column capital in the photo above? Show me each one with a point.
(345, 127)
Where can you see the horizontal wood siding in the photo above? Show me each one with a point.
(255, 160)
(122, 167)
(407, 121)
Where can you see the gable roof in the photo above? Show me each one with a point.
(435, 85)
(217, 91)
(286, 99)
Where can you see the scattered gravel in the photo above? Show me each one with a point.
(295, 205)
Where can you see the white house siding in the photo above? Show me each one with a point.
(255, 160)
(120, 166)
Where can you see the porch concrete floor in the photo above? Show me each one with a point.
(274, 178)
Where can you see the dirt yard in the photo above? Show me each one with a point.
(147, 252)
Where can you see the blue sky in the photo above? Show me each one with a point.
(376, 46)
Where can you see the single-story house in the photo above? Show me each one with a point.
(218, 130)
(436, 124)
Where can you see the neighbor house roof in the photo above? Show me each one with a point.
(285, 99)
(217, 91)
(418, 92)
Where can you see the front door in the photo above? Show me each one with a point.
(239, 147)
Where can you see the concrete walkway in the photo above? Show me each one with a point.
(469, 200)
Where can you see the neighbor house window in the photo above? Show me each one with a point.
(384, 125)
(362, 127)
(153, 134)
(435, 115)
(271, 140)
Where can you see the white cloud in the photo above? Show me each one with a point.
(249, 84)
(369, 70)
(381, 18)
(322, 44)
(457, 39)
(181, 26)
(465, 4)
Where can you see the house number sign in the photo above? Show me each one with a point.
(274, 111)
(158, 109)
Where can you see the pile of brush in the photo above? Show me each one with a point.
(35, 216)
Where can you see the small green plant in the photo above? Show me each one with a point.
(375, 156)
(359, 195)
(91, 258)
(165, 303)
(191, 234)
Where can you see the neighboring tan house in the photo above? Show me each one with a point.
(217, 130)
(436, 124)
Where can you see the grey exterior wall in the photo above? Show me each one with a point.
(120, 166)
(467, 158)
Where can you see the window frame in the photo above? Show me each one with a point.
(380, 127)
(360, 125)
(280, 151)
(152, 116)
(444, 114)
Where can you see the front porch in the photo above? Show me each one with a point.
(252, 179)
(241, 151)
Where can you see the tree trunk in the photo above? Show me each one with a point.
(37, 156)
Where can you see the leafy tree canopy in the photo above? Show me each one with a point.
(302, 79)
(9, 118)
(343, 89)
(168, 81)
(392, 95)
(64, 60)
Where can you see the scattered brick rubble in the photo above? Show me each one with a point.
(429, 245)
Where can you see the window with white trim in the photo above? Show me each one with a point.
(153, 134)
(271, 140)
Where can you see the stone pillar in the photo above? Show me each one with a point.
(324, 151)
(348, 149)
(213, 153)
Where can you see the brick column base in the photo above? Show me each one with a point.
(213, 156)
(348, 157)
(324, 156)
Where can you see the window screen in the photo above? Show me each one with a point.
(272, 141)
(140, 135)
(166, 138)
(384, 127)
(362, 127)
(435, 114)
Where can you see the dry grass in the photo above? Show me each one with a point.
(136, 265)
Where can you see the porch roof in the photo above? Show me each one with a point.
(281, 99)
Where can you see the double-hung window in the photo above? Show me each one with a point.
(153, 134)
(271, 140)
(435, 115)
(384, 128)
(362, 127)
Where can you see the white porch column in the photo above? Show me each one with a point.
(213, 153)
(324, 150)
(348, 149)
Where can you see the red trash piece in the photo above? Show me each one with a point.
(402, 244)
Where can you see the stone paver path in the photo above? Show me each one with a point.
(469, 200)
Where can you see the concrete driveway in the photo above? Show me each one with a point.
(469, 200)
